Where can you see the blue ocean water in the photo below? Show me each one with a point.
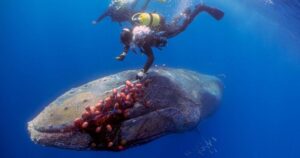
(50, 46)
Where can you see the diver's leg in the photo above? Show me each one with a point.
(188, 16)
(214, 12)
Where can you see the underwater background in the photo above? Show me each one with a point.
(49, 46)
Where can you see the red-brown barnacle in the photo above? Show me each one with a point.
(107, 106)
(126, 113)
(99, 122)
(108, 102)
(120, 147)
(84, 125)
(126, 89)
(97, 112)
(98, 129)
(135, 95)
(139, 85)
(93, 109)
(88, 109)
(128, 83)
(106, 117)
(112, 97)
(97, 107)
(117, 106)
(119, 111)
(128, 97)
(108, 99)
(85, 115)
(132, 90)
(129, 100)
(78, 122)
(123, 96)
(98, 117)
(109, 128)
(110, 144)
(115, 91)
(99, 103)
(118, 97)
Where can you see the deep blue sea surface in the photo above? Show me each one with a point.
(50, 46)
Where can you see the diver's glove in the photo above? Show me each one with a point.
(121, 57)
(140, 75)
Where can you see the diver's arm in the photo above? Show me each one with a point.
(126, 49)
(122, 56)
(150, 58)
(101, 17)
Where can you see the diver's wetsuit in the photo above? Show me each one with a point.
(146, 48)
(122, 14)
(173, 29)
(170, 30)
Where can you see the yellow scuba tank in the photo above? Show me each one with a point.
(147, 19)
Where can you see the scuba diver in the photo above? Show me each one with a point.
(122, 10)
(151, 30)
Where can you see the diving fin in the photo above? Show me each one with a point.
(216, 13)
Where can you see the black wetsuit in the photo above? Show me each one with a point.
(146, 48)
(173, 29)
(122, 14)
(170, 30)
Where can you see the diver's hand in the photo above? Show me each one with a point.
(121, 57)
(140, 75)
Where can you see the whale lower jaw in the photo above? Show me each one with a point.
(69, 140)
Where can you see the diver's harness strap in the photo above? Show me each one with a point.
(151, 19)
